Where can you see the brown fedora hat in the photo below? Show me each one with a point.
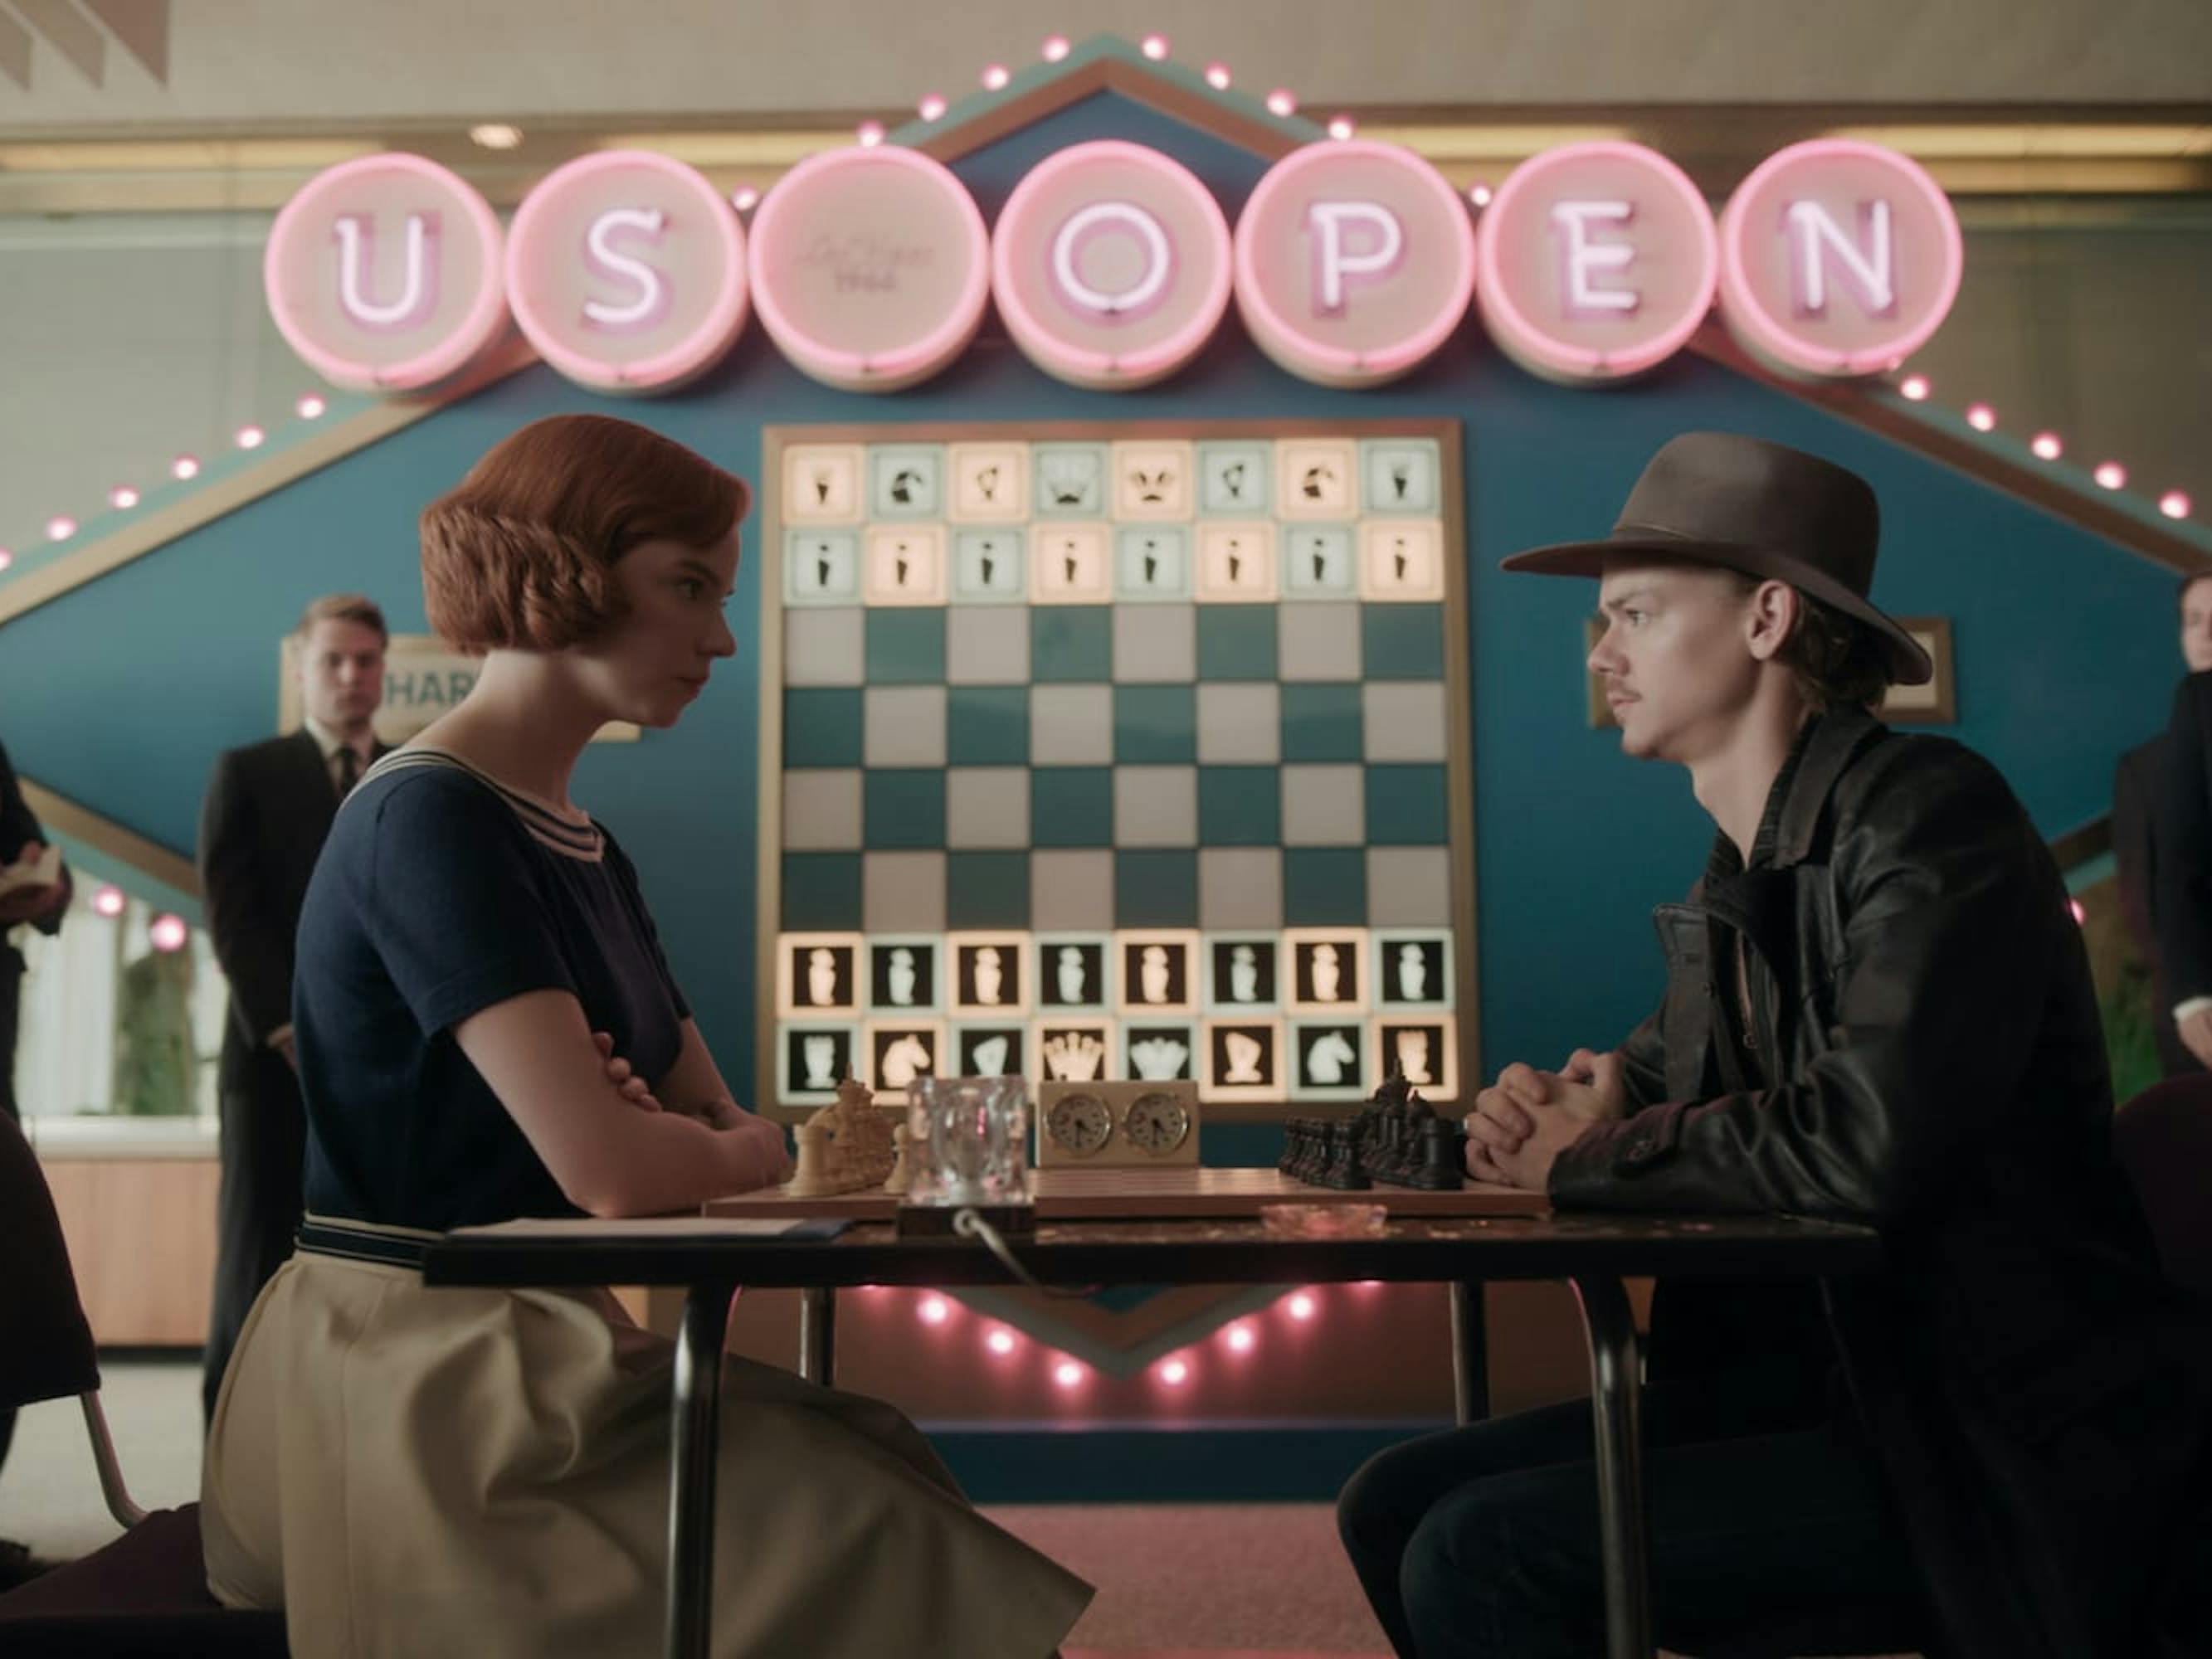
(1720, 498)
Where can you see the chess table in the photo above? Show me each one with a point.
(712, 1256)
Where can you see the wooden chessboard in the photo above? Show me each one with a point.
(1161, 1194)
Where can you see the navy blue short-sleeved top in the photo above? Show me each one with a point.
(439, 893)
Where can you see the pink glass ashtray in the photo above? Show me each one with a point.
(1324, 1220)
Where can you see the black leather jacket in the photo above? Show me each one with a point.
(1923, 1055)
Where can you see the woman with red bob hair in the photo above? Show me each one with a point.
(487, 1029)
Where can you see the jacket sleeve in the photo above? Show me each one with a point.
(1952, 924)
(19, 824)
(2182, 903)
(1643, 1062)
(250, 939)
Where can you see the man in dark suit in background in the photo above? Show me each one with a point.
(2136, 788)
(269, 807)
(22, 840)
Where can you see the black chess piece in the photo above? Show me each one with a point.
(902, 484)
(822, 483)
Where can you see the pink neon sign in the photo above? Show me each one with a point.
(1111, 266)
(1597, 262)
(1838, 257)
(1354, 262)
(627, 272)
(384, 273)
(871, 267)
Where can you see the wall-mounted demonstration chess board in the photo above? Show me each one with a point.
(1124, 750)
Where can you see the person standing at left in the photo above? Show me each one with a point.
(42, 907)
(268, 808)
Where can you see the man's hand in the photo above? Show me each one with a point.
(2197, 1035)
(1523, 1122)
(632, 1087)
(288, 1046)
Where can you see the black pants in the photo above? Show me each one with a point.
(1482, 1542)
(264, 1149)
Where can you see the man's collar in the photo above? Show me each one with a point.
(1823, 747)
(330, 742)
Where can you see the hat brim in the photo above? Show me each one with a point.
(1909, 662)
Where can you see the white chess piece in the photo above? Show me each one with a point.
(1069, 973)
(903, 1061)
(1327, 1059)
(899, 977)
(1244, 1053)
(1413, 1056)
(1158, 1058)
(1074, 1056)
(1327, 976)
(821, 1055)
(1153, 973)
(990, 978)
(822, 977)
(989, 1056)
(1243, 974)
(1413, 973)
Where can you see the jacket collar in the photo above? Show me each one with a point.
(1826, 744)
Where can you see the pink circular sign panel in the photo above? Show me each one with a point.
(871, 267)
(1597, 261)
(627, 272)
(1354, 262)
(383, 273)
(1838, 257)
(1111, 266)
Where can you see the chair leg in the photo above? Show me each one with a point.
(103, 1457)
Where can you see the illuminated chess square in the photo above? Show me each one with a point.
(987, 975)
(1072, 1050)
(1070, 564)
(981, 1049)
(817, 974)
(1411, 968)
(821, 484)
(1235, 480)
(1319, 561)
(1325, 971)
(990, 483)
(906, 481)
(895, 1052)
(1243, 973)
(1156, 1051)
(1160, 969)
(821, 567)
(1241, 1059)
(1074, 973)
(1329, 1059)
(1400, 476)
(1425, 1046)
(1152, 481)
(812, 1059)
(990, 567)
(1069, 481)
(1316, 478)
(905, 974)
(1152, 564)
(1236, 563)
(903, 564)
(1402, 559)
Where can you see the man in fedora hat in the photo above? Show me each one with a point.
(1878, 1010)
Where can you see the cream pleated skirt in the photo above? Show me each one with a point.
(419, 1473)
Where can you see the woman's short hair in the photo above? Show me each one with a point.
(522, 555)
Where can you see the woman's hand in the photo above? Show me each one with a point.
(632, 1087)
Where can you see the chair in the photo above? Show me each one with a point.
(2163, 1139)
(146, 1593)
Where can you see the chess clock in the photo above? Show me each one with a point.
(1116, 1125)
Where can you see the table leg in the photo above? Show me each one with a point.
(1615, 1389)
(817, 1335)
(1470, 1340)
(694, 1432)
